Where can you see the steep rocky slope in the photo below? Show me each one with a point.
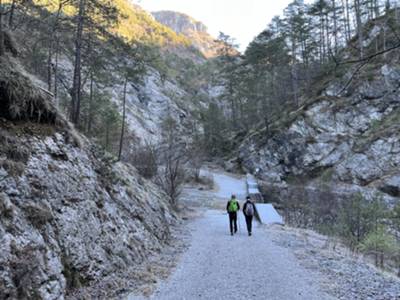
(194, 30)
(347, 135)
(169, 87)
(69, 215)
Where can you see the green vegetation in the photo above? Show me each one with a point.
(138, 25)
(289, 65)
(134, 24)
(366, 225)
(114, 36)
(380, 244)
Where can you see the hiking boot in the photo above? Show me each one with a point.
(249, 233)
(231, 233)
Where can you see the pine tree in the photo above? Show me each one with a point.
(97, 16)
(2, 13)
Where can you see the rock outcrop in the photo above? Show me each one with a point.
(347, 136)
(179, 22)
(194, 30)
(69, 215)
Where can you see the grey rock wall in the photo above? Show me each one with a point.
(353, 139)
(71, 216)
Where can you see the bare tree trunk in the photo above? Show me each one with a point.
(294, 85)
(55, 71)
(294, 71)
(397, 10)
(2, 48)
(335, 27)
(90, 117)
(121, 141)
(322, 37)
(49, 66)
(328, 37)
(357, 7)
(11, 17)
(76, 85)
(50, 51)
(346, 12)
(376, 8)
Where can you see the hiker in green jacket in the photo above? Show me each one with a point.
(232, 207)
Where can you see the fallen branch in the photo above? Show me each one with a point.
(368, 58)
(352, 76)
(46, 91)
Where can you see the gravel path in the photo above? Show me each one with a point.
(219, 266)
(227, 184)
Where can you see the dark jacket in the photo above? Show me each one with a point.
(245, 205)
(227, 205)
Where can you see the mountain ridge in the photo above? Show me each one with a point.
(194, 30)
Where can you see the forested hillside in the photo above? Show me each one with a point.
(314, 105)
(111, 118)
(72, 216)
(113, 54)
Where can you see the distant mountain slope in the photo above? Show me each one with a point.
(172, 65)
(195, 31)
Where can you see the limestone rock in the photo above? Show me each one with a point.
(76, 217)
(352, 141)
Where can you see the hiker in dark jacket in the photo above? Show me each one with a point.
(249, 210)
(232, 207)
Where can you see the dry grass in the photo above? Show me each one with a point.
(20, 99)
(23, 101)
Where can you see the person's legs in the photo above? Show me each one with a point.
(231, 222)
(251, 224)
(235, 221)
(248, 224)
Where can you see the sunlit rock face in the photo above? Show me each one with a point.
(179, 22)
(189, 27)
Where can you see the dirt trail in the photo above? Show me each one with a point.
(220, 266)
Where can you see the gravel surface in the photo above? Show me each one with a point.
(277, 262)
(227, 184)
(351, 277)
(219, 266)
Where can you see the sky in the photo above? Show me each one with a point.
(241, 19)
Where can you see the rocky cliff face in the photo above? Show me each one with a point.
(348, 136)
(69, 215)
(179, 22)
(194, 30)
(150, 102)
(162, 91)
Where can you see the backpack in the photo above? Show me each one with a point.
(249, 209)
(233, 206)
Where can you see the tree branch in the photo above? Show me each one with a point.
(368, 58)
(353, 75)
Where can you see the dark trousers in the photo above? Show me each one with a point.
(249, 220)
(233, 221)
